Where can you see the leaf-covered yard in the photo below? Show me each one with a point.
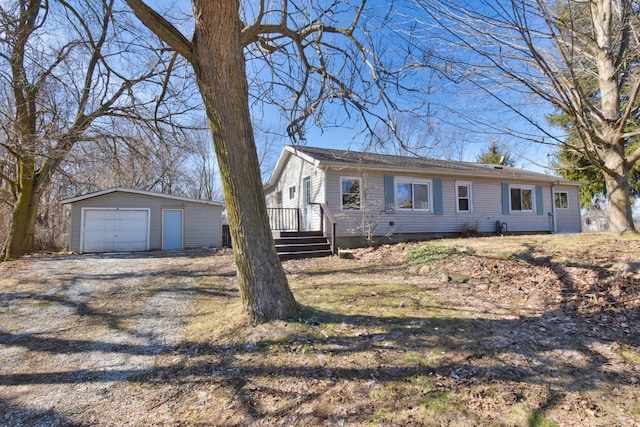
(530, 330)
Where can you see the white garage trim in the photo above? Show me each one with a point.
(83, 224)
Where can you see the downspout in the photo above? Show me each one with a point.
(323, 171)
(553, 208)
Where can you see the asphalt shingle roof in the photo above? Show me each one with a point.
(348, 158)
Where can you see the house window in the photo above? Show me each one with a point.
(522, 199)
(413, 195)
(350, 192)
(292, 192)
(562, 200)
(278, 198)
(464, 196)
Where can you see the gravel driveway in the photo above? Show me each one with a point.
(74, 329)
(470, 338)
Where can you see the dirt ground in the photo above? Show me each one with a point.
(530, 330)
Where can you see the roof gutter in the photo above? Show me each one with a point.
(447, 172)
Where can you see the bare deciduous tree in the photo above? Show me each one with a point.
(201, 168)
(312, 53)
(580, 57)
(68, 76)
(167, 162)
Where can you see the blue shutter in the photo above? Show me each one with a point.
(389, 194)
(539, 202)
(506, 208)
(437, 196)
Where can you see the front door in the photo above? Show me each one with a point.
(306, 208)
(172, 229)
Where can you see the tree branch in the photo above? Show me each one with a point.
(162, 28)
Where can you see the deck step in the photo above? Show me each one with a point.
(300, 255)
(299, 240)
(301, 244)
(286, 234)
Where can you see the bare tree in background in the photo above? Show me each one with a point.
(311, 53)
(162, 162)
(69, 71)
(420, 134)
(200, 167)
(580, 57)
(411, 136)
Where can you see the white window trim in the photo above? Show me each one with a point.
(408, 180)
(521, 187)
(554, 199)
(359, 179)
(469, 185)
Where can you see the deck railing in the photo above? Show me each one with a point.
(284, 219)
(325, 213)
(288, 219)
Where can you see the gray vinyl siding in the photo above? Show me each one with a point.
(487, 208)
(202, 222)
(569, 220)
(202, 225)
(293, 175)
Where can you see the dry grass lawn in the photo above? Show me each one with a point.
(503, 331)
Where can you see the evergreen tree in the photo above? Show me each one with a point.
(495, 156)
(575, 165)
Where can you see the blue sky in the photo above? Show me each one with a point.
(456, 112)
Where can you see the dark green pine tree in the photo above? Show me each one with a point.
(495, 156)
(572, 163)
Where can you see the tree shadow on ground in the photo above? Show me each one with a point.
(12, 415)
(464, 352)
(141, 255)
(328, 348)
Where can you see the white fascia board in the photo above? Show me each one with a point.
(282, 160)
(287, 151)
(303, 156)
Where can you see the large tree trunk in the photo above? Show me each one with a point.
(620, 211)
(617, 169)
(218, 60)
(20, 238)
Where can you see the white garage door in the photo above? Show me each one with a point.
(113, 230)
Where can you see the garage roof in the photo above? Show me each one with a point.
(141, 192)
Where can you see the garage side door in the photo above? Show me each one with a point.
(111, 230)
(172, 229)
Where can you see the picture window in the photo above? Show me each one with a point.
(522, 199)
(413, 195)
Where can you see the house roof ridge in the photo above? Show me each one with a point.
(411, 162)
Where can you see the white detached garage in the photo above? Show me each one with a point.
(122, 219)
